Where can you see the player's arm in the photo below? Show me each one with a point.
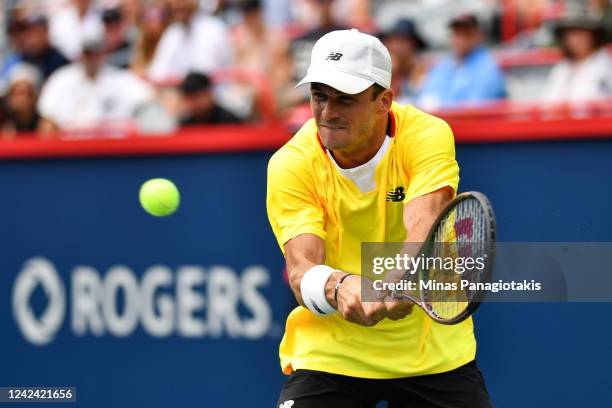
(297, 220)
(302, 253)
(420, 213)
(307, 251)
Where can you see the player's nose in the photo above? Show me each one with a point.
(329, 112)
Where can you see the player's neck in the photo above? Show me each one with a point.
(351, 158)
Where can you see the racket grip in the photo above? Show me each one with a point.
(397, 294)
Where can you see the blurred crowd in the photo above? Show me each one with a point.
(83, 68)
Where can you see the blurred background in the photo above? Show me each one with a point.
(96, 97)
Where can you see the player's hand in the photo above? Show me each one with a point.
(353, 309)
(369, 313)
(398, 308)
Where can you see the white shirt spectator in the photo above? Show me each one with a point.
(578, 82)
(73, 101)
(202, 46)
(66, 29)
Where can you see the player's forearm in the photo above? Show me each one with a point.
(419, 227)
(295, 272)
(421, 213)
(302, 253)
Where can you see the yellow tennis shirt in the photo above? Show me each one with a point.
(309, 193)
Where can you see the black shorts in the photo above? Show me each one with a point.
(463, 387)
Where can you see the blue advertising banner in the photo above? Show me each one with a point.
(135, 310)
(188, 310)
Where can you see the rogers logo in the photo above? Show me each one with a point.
(192, 301)
(39, 330)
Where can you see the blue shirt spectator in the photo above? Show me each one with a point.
(35, 49)
(471, 75)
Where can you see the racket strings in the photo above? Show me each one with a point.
(460, 235)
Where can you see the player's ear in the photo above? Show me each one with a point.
(385, 101)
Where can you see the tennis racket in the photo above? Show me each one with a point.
(465, 229)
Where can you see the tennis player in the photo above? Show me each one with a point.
(365, 169)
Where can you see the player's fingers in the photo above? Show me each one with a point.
(365, 319)
(353, 312)
(355, 318)
(360, 319)
(398, 309)
(375, 311)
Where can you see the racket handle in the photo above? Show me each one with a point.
(397, 294)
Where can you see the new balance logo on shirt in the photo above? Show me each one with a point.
(334, 56)
(396, 194)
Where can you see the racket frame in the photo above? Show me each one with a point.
(490, 233)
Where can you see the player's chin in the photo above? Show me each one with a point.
(334, 138)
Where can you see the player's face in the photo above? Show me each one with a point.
(343, 120)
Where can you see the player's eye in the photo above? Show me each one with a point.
(347, 100)
(318, 96)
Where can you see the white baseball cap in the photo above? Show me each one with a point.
(349, 61)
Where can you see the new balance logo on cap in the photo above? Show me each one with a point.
(334, 56)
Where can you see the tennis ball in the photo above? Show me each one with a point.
(159, 197)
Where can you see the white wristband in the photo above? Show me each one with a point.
(312, 288)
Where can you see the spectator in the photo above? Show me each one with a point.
(470, 75)
(18, 108)
(586, 71)
(354, 13)
(193, 42)
(90, 94)
(117, 46)
(16, 28)
(151, 27)
(324, 22)
(603, 8)
(131, 10)
(301, 48)
(226, 11)
(404, 44)
(198, 102)
(259, 48)
(35, 48)
(347, 13)
(68, 25)
(277, 12)
(531, 13)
